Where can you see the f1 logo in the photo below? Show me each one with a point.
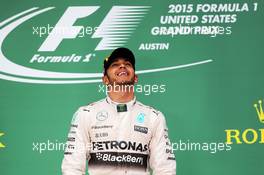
(66, 22)
(1, 144)
(115, 29)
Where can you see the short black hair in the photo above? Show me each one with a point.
(118, 53)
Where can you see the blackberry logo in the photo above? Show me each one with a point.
(119, 157)
(99, 156)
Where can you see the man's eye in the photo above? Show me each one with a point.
(114, 65)
(128, 64)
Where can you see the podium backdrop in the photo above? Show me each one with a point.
(199, 62)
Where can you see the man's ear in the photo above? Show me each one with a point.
(136, 79)
(105, 80)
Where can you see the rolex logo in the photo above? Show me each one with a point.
(259, 110)
(248, 135)
(1, 144)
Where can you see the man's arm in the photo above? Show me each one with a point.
(77, 147)
(162, 159)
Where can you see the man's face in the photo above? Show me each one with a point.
(120, 72)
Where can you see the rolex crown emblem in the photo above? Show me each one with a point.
(259, 110)
(1, 144)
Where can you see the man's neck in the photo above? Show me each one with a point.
(121, 96)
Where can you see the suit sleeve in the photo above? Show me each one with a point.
(162, 160)
(77, 146)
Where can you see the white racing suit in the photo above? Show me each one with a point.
(118, 139)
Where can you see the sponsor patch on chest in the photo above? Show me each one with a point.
(141, 129)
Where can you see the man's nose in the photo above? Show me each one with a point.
(122, 65)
